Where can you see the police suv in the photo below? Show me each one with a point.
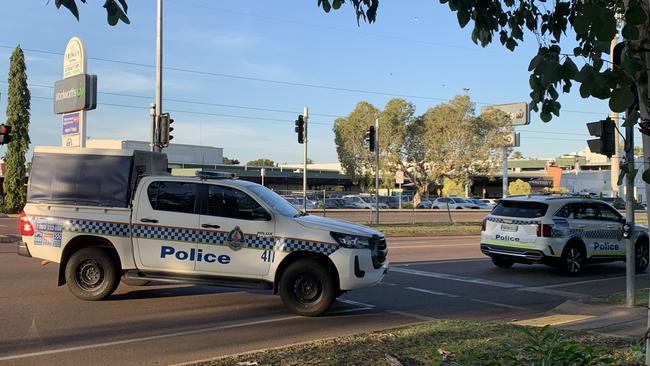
(106, 214)
(559, 231)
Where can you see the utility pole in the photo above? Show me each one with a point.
(155, 139)
(304, 172)
(630, 252)
(376, 171)
(504, 187)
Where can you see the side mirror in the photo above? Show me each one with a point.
(261, 214)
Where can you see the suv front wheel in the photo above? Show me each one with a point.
(307, 287)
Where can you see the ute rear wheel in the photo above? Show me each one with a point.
(92, 274)
(307, 287)
(502, 262)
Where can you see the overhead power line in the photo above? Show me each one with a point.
(279, 82)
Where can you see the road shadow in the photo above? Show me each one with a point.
(157, 290)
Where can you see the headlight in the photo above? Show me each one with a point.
(351, 241)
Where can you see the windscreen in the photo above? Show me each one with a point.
(521, 209)
(277, 203)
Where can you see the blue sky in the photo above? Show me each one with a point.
(415, 48)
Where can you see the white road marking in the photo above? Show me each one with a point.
(411, 315)
(388, 284)
(550, 291)
(431, 292)
(148, 338)
(356, 303)
(446, 276)
(394, 247)
(441, 261)
(499, 304)
(588, 281)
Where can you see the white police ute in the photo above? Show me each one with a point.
(110, 214)
(559, 231)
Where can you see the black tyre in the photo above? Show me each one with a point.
(307, 287)
(435, 207)
(573, 259)
(92, 274)
(641, 257)
(502, 262)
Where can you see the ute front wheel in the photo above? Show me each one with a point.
(307, 287)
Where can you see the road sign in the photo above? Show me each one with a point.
(75, 94)
(399, 177)
(519, 112)
(512, 139)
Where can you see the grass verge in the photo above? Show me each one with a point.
(618, 298)
(448, 342)
(464, 228)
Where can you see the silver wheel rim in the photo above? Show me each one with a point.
(641, 255)
(574, 260)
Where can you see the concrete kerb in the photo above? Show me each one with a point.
(613, 320)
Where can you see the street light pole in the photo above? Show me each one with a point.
(159, 52)
(376, 171)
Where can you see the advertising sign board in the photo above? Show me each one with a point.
(519, 112)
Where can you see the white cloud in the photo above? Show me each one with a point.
(116, 81)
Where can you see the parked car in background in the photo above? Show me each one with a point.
(481, 205)
(371, 200)
(338, 203)
(391, 201)
(424, 203)
(489, 201)
(357, 201)
(454, 203)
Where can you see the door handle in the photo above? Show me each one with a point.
(146, 219)
(210, 226)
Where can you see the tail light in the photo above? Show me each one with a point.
(483, 224)
(544, 230)
(26, 228)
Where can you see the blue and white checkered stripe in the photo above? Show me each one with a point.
(98, 227)
(294, 245)
(512, 221)
(587, 234)
(199, 236)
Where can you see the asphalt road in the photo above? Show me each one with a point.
(430, 278)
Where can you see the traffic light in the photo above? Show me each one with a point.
(300, 129)
(604, 130)
(370, 138)
(5, 134)
(166, 129)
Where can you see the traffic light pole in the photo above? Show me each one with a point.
(155, 143)
(304, 171)
(376, 171)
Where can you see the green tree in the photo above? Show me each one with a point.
(115, 9)
(229, 161)
(519, 187)
(517, 155)
(261, 162)
(453, 187)
(349, 136)
(18, 105)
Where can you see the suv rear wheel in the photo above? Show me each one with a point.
(502, 262)
(572, 260)
(641, 255)
(91, 274)
(307, 287)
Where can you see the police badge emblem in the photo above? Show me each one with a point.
(235, 238)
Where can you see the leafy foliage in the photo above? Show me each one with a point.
(554, 68)
(261, 162)
(446, 141)
(519, 187)
(230, 161)
(18, 116)
(116, 10)
(453, 187)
